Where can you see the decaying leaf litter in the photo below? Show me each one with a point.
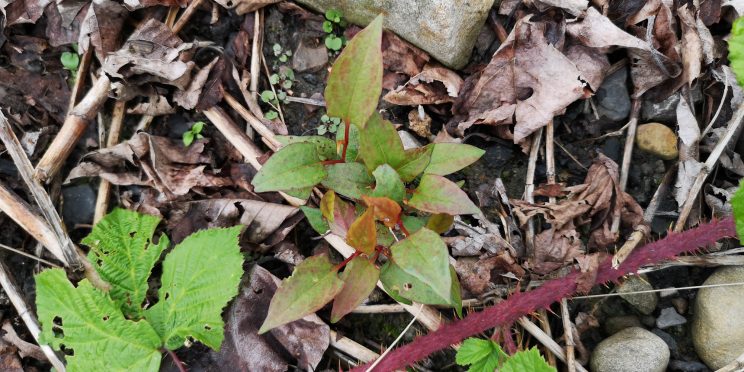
(555, 187)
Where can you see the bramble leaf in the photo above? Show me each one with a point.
(200, 276)
(362, 234)
(88, 322)
(448, 158)
(326, 147)
(348, 179)
(122, 252)
(526, 360)
(436, 194)
(313, 283)
(315, 218)
(482, 355)
(736, 49)
(355, 82)
(380, 144)
(415, 162)
(737, 202)
(295, 166)
(388, 184)
(360, 277)
(424, 256)
(386, 210)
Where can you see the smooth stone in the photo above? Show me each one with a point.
(669, 340)
(446, 29)
(685, 366)
(306, 58)
(79, 205)
(613, 100)
(643, 302)
(657, 139)
(630, 350)
(669, 318)
(718, 323)
(616, 324)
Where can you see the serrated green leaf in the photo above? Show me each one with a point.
(737, 202)
(736, 49)
(448, 158)
(414, 163)
(348, 179)
(355, 81)
(92, 325)
(482, 355)
(326, 147)
(380, 144)
(313, 283)
(296, 166)
(526, 361)
(352, 152)
(362, 234)
(436, 194)
(388, 184)
(424, 256)
(122, 252)
(200, 276)
(315, 218)
(360, 277)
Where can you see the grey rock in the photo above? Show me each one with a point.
(307, 58)
(616, 324)
(718, 324)
(630, 350)
(669, 318)
(613, 100)
(446, 29)
(664, 111)
(643, 302)
(79, 205)
(685, 366)
(669, 340)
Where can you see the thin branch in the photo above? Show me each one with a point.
(24, 254)
(549, 343)
(529, 188)
(186, 16)
(382, 357)
(352, 348)
(627, 154)
(114, 132)
(568, 336)
(80, 78)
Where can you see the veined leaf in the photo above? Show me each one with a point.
(737, 202)
(315, 217)
(295, 166)
(448, 158)
(360, 277)
(200, 276)
(362, 234)
(326, 147)
(92, 325)
(388, 183)
(436, 194)
(348, 179)
(482, 355)
(122, 252)
(380, 144)
(527, 360)
(386, 210)
(416, 160)
(313, 283)
(424, 256)
(355, 81)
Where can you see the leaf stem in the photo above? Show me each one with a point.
(176, 360)
(402, 227)
(347, 126)
(329, 162)
(342, 264)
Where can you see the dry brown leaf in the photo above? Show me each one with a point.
(245, 6)
(189, 97)
(434, 85)
(101, 27)
(139, 4)
(573, 7)
(24, 11)
(554, 248)
(64, 20)
(692, 45)
(156, 104)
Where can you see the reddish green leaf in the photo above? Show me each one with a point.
(360, 277)
(386, 210)
(436, 194)
(295, 166)
(380, 144)
(343, 216)
(424, 256)
(348, 179)
(355, 81)
(388, 183)
(352, 150)
(313, 283)
(440, 222)
(416, 160)
(362, 234)
(448, 158)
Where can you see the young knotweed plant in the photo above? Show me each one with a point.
(388, 203)
(120, 330)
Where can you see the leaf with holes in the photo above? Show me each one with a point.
(388, 184)
(449, 158)
(360, 277)
(414, 163)
(386, 210)
(436, 194)
(296, 166)
(362, 234)
(199, 277)
(122, 252)
(355, 82)
(401, 285)
(91, 327)
(380, 144)
(348, 179)
(424, 256)
(313, 283)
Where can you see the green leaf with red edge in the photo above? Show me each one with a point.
(436, 194)
(380, 144)
(315, 218)
(344, 215)
(362, 234)
(449, 158)
(348, 179)
(355, 82)
(424, 256)
(737, 202)
(360, 277)
(388, 183)
(313, 284)
(296, 166)
(386, 210)
(414, 163)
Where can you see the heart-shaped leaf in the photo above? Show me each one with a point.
(295, 166)
(380, 144)
(362, 234)
(423, 255)
(388, 184)
(448, 158)
(436, 194)
(360, 277)
(348, 179)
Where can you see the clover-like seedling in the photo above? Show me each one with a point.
(70, 62)
(384, 201)
(193, 133)
(328, 125)
(332, 26)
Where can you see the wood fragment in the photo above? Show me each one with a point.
(80, 80)
(186, 16)
(352, 348)
(104, 187)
